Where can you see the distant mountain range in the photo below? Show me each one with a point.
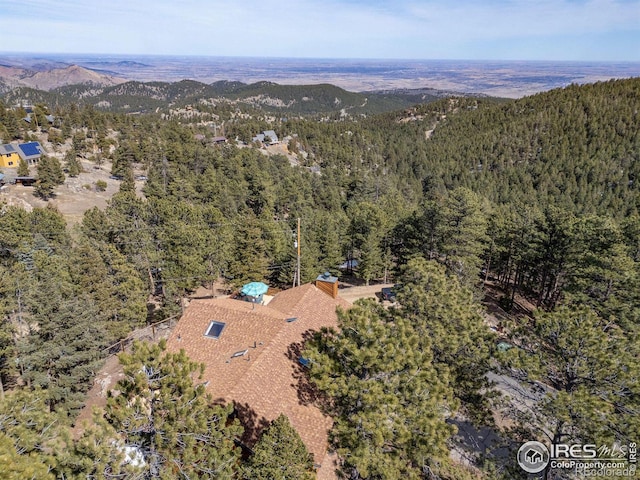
(494, 78)
(75, 84)
(280, 86)
(12, 77)
(115, 94)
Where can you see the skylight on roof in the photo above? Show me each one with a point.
(214, 330)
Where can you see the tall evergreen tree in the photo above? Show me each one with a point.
(444, 315)
(593, 369)
(385, 395)
(170, 419)
(29, 435)
(50, 175)
(23, 168)
(280, 454)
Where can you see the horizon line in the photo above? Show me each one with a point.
(300, 58)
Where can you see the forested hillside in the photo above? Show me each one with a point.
(539, 197)
(148, 97)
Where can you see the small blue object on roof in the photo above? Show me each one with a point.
(305, 362)
(254, 289)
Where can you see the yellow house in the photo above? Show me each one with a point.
(9, 157)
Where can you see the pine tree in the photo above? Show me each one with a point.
(462, 233)
(249, 261)
(50, 175)
(444, 314)
(592, 368)
(368, 226)
(99, 453)
(29, 435)
(171, 420)
(23, 168)
(386, 397)
(280, 454)
(74, 167)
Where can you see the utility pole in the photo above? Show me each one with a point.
(296, 275)
(299, 252)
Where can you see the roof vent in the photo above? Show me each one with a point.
(292, 319)
(241, 353)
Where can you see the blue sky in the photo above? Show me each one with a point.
(607, 30)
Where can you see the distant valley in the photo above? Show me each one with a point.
(511, 79)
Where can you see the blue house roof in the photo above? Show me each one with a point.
(30, 150)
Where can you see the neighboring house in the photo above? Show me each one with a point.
(252, 355)
(30, 152)
(272, 136)
(9, 156)
(50, 118)
(268, 136)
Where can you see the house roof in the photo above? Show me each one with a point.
(267, 133)
(30, 150)
(267, 379)
(271, 134)
(7, 149)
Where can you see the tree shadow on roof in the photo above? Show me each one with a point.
(308, 393)
(253, 423)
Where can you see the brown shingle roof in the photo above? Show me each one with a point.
(269, 380)
(246, 325)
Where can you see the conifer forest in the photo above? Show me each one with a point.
(510, 228)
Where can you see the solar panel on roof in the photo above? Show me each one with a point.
(214, 330)
(9, 148)
(30, 148)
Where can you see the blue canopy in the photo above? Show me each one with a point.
(254, 289)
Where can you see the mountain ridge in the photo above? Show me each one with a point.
(137, 96)
(53, 78)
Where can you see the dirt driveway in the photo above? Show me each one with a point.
(351, 294)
